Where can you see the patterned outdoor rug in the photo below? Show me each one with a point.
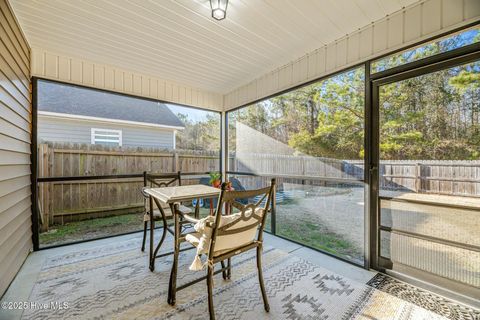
(114, 282)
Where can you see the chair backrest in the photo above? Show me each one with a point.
(159, 180)
(248, 220)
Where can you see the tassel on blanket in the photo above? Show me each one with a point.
(197, 264)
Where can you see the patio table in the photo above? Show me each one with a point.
(172, 196)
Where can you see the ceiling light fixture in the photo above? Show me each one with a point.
(219, 9)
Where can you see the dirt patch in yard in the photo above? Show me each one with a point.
(326, 218)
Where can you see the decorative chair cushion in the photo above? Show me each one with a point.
(224, 242)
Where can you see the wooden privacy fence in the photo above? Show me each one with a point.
(456, 178)
(75, 200)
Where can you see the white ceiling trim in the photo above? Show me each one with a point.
(61, 67)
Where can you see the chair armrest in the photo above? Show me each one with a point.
(189, 218)
(146, 195)
(194, 220)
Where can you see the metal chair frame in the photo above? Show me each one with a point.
(226, 198)
(151, 180)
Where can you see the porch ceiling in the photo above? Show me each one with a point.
(179, 41)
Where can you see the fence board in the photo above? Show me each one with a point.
(458, 178)
(64, 200)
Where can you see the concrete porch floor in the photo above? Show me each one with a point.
(21, 287)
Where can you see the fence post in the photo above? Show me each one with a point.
(39, 186)
(274, 211)
(46, 200)
(176, 164)
(418, 181)
(303, 170)
(51, 189)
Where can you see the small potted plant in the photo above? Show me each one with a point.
(215, 179)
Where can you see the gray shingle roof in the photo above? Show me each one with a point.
(54, 97)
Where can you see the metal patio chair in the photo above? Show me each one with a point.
(220, 237)
(161, 211)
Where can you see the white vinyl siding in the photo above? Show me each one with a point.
(74, 131)
(15, 139)
(106, 137)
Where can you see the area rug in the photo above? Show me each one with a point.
(113, 282)
(423, 298)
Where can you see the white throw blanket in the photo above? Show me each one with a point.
(204, 237)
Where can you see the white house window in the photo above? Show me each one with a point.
(107, 137)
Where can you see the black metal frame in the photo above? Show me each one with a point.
(371, 159)
(34, 159)
(33, 169)
(87, 178)
(418, 63)
(432, 64)
(180, 220)
(310, 178)
(450, 243)
(221, 144)
(369, 166)
(150, 180)
(108, 177)
(174, 207)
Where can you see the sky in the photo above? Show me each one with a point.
(193, 114)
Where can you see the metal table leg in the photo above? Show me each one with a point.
(172, 289)
(152, 227)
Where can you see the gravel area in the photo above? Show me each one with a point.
(321, 211)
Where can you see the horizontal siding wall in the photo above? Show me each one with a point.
(15, 137)
(411, 25)
(59, 67)
(75, 131)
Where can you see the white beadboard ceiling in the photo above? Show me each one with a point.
(178, 40)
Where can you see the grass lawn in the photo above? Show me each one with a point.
(96, 228)
(317, 236)
(306, 228)
(91, 228)
(301, 229)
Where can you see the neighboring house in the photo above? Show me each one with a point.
(72, 114)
